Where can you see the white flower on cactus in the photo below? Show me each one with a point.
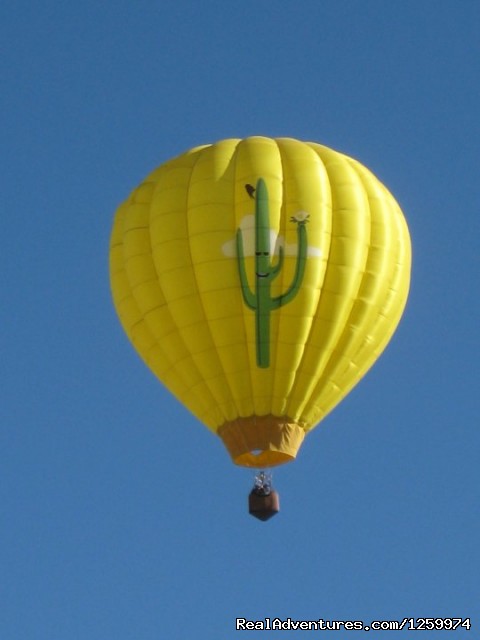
(301, 217)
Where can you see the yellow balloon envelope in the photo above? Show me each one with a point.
(259, 279)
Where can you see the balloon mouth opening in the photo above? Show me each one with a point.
(259, 459)
(262, 441)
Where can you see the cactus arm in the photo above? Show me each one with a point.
(249, 297)
(275, 270)
(292, 291)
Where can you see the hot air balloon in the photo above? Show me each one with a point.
(260, 279)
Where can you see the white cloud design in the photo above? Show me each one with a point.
(247, 225)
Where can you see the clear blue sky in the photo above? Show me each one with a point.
(121, 516)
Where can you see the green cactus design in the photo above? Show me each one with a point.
(261, 300)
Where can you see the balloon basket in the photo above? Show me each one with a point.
(263, 507)
(263, 501)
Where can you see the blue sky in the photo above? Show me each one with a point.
(122, 517)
